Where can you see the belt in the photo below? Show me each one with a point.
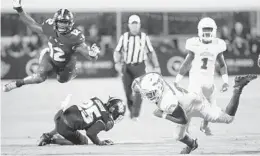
(135, 64)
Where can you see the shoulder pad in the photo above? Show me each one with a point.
(77, 36)
(192, 43)
(222, 46)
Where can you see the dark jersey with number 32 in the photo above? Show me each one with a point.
(86, 114)
(61, 47)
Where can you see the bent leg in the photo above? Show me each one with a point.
(70, 134)
(69, 72)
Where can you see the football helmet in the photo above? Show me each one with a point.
(63, 20)
(116, 108)
(207, 29)
(151, 87)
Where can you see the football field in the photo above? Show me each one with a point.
(28, 112)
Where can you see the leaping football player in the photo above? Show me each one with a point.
(93, 116)
(63, 42)
(178, 105)
(203, 52)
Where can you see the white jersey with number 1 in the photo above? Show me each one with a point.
(203, 65)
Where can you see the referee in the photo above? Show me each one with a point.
(130, 54)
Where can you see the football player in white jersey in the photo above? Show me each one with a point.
(203, 52)
(179, 106)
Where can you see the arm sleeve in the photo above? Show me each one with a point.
(93, 131)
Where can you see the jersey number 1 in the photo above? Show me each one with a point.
(204, 63)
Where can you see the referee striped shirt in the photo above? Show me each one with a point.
(134, 47)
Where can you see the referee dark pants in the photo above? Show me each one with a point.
(130, 72)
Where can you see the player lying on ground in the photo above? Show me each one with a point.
(92, 116)
(203, 52)
(179, 106)
(63, 40)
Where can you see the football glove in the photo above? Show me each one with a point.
(106, 142)
(224, 87)
(17, 5)
(94, 50)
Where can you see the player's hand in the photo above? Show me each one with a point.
(224, 88)
(179, 88)
(106, 142)
(17, 4)
(94, 50)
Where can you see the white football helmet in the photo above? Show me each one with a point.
(207, 29)
(152, 86)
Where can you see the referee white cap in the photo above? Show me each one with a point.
(134, 18)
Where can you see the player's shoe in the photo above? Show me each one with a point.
(45, 139)
(189, 149)
(205, 129)
(10, 86)
(241, 81)
(135, 119)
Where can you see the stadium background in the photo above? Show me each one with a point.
(28, 111)
(168, 25)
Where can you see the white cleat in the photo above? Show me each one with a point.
(10, 86)
(135, 119)
(206, 130)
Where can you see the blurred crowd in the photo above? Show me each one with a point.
(241, 39)
(239, 42)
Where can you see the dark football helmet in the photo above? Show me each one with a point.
(63, 20)
(116, 108)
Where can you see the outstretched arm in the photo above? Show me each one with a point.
(89, 52)
(223, 71)
(152, 55)
(185, 67)
(93, 131)
(31, 23)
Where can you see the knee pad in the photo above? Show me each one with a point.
(39, 77)
(62, 80)
(83, 139)
(66, 76)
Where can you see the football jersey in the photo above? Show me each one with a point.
(84, 115)
(61, 47)
(204, 54)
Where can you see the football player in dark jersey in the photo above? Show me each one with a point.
(63, 42)
(92, 116)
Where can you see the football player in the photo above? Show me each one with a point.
(179, 106)
(203, 52)
(92, 116)
(63, 40)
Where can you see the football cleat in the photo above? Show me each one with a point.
(136, 119)
(45, 139)
(241, 81)
(189, 149)
(205, 129)
(10, 86)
